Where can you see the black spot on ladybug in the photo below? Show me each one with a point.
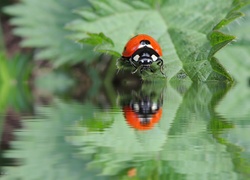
(144, 42)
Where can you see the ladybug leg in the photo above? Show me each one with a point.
(137, 68)
(131, 62)
(160, 63)
(142, 68)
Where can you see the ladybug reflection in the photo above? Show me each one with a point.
(143, 114)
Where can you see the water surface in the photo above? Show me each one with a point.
(156, 131)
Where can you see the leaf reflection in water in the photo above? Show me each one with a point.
(68, 140)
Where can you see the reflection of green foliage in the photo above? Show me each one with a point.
(192, 150)
(17, 70)
(14, 89)
(81, 140)
(95, 124)
(171, 147)
(42, 23)
(54, 82)
(100, 122)
(62, 83)
(217, 126)
(14, 77)
(128, 92)
(189, 35)
(235, 107)
(96, 82)
(202, 105)
(43, 145)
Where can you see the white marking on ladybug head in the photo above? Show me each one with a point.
(149, 46)
(154, 107)
(136, 107)
(145, 45)
(136, 57)
(154, 57)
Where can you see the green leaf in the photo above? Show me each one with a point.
(236, 56)
(41, 24)
(218, 40)
(219, 70)
(95, 39)
(182, 32)
(233, 14)
(229, 18)
(236, 60)
(101, 42)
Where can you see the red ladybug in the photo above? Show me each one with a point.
(142, 115)
(141, 51)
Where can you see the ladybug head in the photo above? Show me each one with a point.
(145, 55)
(145, 107)
(145, 110)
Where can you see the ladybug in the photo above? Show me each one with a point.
(141, 51)
(142, 114)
